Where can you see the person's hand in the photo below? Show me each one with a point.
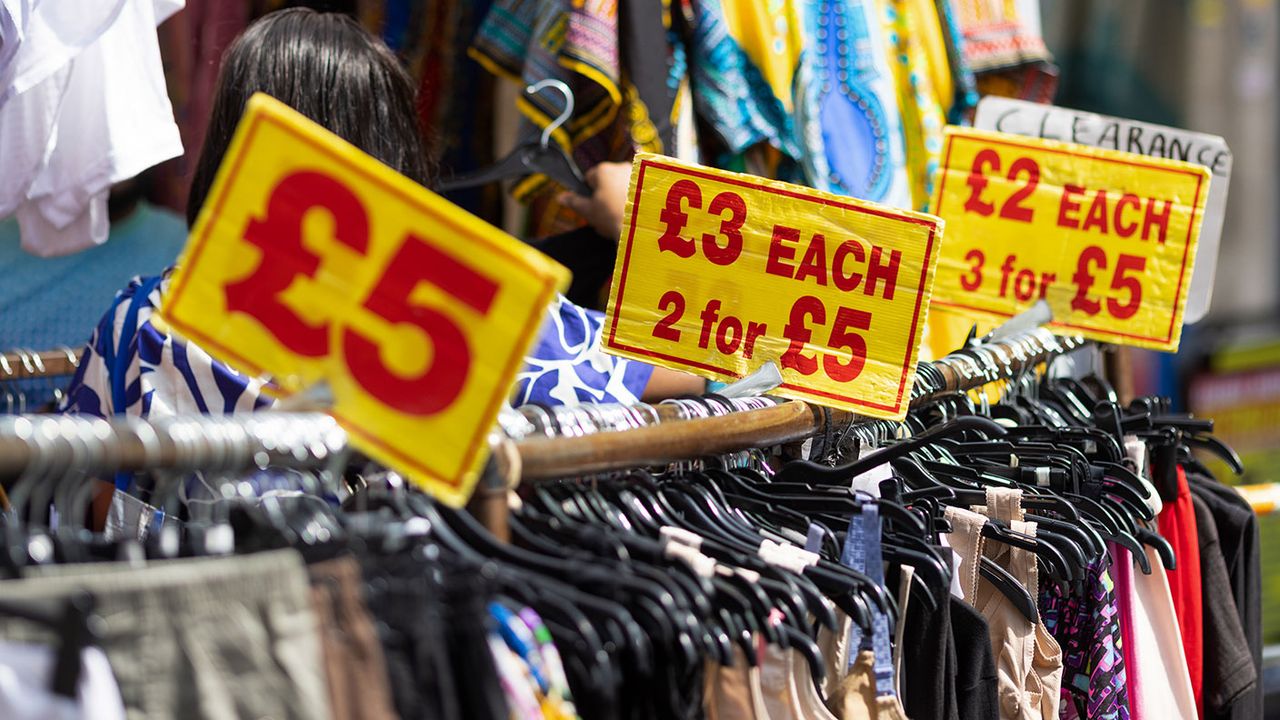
(603, 210)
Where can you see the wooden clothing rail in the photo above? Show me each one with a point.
(23, 364)
(548, 458)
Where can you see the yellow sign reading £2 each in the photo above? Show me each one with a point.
(1107, 238)
(719, 273)
(312, 261)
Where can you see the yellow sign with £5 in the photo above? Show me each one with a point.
(719, 273)
(312, 261)
(1107, 238)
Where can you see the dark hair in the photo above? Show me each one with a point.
(328, 68)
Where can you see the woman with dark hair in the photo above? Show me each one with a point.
(333, 71)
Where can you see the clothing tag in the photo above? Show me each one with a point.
(682, 536)
(220, 540)
(817, 533)
(869, 481)
(702, 565)
(775, 554)
(956, 588)
(1042, 476)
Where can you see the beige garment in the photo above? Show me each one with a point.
(1028, 659)
(733, 693)
(777, 682)
(855, 698)
(835, 652)
(904, 600)
(813, 706)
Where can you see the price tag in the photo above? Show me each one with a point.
(312, 261)
(719, 273)
(1107, 238)
(1054, 123)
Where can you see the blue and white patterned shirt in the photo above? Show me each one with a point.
(165, 375)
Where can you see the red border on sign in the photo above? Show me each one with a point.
(915, 318)
(1186, 247)
(495, 400)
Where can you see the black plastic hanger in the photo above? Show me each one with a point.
(534, 157)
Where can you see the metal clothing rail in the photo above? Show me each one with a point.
(662, 443)
(57, 445)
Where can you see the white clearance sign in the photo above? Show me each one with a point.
(1054, 123)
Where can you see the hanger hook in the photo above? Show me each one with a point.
(564, 115)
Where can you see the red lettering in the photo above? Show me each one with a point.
(1097, 217)
(1158, 220)
(848, 282)
(1126, 229)
(779, 252)
(1069, 205)
(887, 272)
(814, 264)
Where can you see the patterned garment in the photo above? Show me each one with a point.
(1087, 626)
(161, 375)
(851, 127)
(1001, 33)
(916, 39)
(743, 72)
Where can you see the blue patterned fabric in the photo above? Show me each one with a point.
(849, 112)
(156, 374)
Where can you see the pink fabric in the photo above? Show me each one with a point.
(1122, 576)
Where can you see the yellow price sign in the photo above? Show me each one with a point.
(719, 273)
(312, 261)
(1107, 238)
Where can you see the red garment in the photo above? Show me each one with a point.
(1177, 523)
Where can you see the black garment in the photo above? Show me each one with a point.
(1229, 672)
(928, 662)
(976, 679)
(590, 257)
(1238, 539)
(437, 661)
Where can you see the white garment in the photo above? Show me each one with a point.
(1164, 680)
(1136, 449)
(85, 107)
(25, 672)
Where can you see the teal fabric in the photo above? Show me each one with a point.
(50, 302)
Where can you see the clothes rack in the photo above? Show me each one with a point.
(25, 364)
(544, 458)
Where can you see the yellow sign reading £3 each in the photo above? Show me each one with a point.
(312, 261)
(1107, 238)
(718, 273)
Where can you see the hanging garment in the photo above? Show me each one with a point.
(100, 116)
(134, 366)
(965, 97)
(221, 638)
(1177, 522)
(583, 45)
(1028, 659)
(1000, 33)
(915, 40)
(848, 116)
(37, 311)
(1229, 673)
(355, 667)
(1237, 528)
(24, 686)
(862, 552)
(1159, 682)
(742, 67)
(1087, 627)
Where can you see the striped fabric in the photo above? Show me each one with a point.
(164, 375)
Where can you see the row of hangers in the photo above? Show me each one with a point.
(32, 380)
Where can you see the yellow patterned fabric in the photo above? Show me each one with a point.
(911, 27)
